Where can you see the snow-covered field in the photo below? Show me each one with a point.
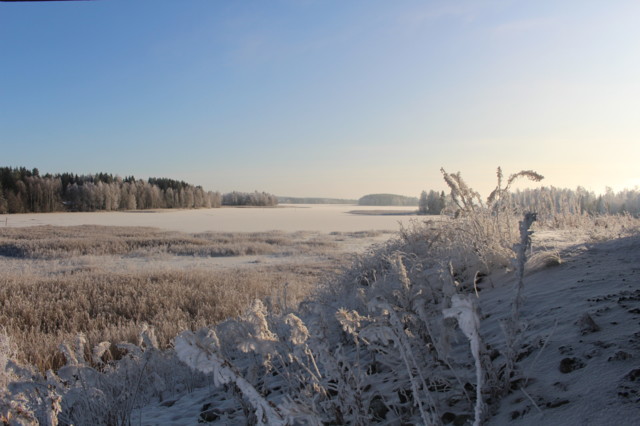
(289, 218)
(426, 330)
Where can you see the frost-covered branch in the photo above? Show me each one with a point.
(463, 309)
(200, 352)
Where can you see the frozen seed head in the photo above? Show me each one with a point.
(299, 332)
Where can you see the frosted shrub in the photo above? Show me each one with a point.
(97, 392)
(31, 398)
(484, 232)
(7, 353)
(200, 351)
(282, 361)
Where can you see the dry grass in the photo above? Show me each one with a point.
(58, 281)
(41, 312)
(49, 242)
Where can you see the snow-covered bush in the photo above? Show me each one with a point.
(94, 391)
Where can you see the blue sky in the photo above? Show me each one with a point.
(323, 98)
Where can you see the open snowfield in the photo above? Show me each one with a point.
(314, 219)
(288, 218)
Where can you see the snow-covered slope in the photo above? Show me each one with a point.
(583, 335)
(579, 354)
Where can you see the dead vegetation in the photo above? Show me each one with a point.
(49, 242)
(107, 281)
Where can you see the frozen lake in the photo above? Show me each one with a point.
(288, 218)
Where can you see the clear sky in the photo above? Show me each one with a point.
(324, 98)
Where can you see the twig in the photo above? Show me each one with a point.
(544, 345)
(475, 284)
(531, 399)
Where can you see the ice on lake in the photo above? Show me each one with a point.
(288, 218)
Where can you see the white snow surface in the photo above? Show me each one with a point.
(600, 384)
(603, 281)
(285, 217)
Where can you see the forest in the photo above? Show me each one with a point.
(256, 198)
(546, 199)
(27, 191)
(579, 201)
(432, 202)
(387, 200)
(315, 200)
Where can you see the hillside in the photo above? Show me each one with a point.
(582, 344)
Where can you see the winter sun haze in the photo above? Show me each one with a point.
(323, 98)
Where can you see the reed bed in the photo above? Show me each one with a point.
(61, 281)
(50, 242)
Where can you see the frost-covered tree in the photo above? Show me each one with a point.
(431, 203)
(249, 199)
(387, 200)
(422, 203)
(3, 201)
(169, 200)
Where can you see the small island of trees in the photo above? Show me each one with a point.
(387, 200)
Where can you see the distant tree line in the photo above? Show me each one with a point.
(315, 200)
(551, 200)
(26, 191)
(249, 199)
(387, 200)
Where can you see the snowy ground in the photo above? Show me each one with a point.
(578, 373)
(584, 374)
(288, 218)
(343, 245)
